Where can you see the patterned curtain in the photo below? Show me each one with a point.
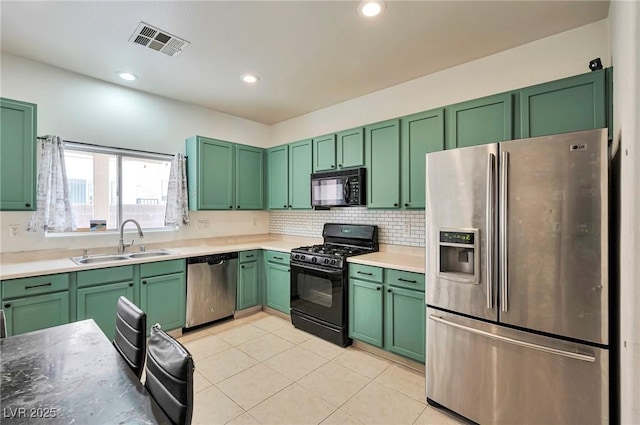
(53, 213)
(177, 213)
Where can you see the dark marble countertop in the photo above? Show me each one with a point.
(70, 374)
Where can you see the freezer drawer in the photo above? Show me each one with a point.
(496, 375)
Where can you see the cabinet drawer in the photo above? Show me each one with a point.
(34, 285)
(278, 257)
(246, 256)
(108, 275)
(360, 271)
(161, 267)
(404, 279)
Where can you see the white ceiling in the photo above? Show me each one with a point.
(308, 54)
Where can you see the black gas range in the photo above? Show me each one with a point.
(319, 280)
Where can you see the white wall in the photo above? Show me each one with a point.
(562, 55)
(84, 109)
(624, 18)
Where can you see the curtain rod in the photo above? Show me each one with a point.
(108, 147)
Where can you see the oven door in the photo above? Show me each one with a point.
(318, 292)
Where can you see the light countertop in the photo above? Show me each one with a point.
(37, 263)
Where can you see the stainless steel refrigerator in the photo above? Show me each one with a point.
(517, 280)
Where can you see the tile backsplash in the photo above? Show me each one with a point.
(394, 227)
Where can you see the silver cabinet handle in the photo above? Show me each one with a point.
(563, 353)
(490, 218)
(504, 227)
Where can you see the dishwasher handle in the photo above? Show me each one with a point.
(213, 259)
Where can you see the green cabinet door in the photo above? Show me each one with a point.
(480, 121)
(571, 104)
(163, 299)
(17, 155)
(365, 311)
(404, 319)
(249, 178)
(278, 177)
(248, 285)
(421, 133)
(300, 161)
(100, 304)
(210, 171)
(279, 287)
(38, 312)
(382, 146)
(324, 153)
(350, 148)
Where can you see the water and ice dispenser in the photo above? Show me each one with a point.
(459, 255)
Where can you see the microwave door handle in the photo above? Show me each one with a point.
(345, 191)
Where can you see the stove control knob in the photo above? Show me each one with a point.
(314, 260)
(326, 261)
(296, 256)
(302, 257)
(333, 262)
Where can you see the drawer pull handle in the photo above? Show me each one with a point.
(407, 280)
(364, 273)
(7, 305)
(37, 286)
(249, 256)
(278, 258)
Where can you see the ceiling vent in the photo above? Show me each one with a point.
(154, 38)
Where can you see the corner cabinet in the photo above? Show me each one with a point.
(17, 155)
(420, 134)
(163, 293)
(387, 309)
(480, 121)
(34, 303)
(289, 176)
(562, 106)
(382, 147)
(224, 175)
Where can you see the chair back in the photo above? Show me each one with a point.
(170, 376)
(3, 325)
(130, 338)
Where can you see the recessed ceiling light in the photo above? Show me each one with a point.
(249, 78)
(127, 76)
(371, 8)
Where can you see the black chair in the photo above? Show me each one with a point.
(3, 325)
(170, 376)
(130, 338)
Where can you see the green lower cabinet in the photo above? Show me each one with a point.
(404, 315)
(366, 312)
(163, 299)
(279, 287)
(37, 312)
(100, 304)
(247, 285)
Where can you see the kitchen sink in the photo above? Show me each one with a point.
(148, 254)
(103, 258)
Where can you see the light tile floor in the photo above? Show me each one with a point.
(261, 370)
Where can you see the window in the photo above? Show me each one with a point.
(108, 185)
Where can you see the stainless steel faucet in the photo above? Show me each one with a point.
(121, 245)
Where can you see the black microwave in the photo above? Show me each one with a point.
(339, 188)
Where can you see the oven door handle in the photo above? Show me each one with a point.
(327, 271)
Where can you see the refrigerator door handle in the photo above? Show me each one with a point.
(563, 353)
(504, 226)
(490, 231)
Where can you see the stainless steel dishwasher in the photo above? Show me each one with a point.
(211, 288)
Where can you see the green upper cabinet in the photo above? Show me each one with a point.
(420, 133)
(300, 174)
(382, 147)
(562, 106)
(17, 155)
(224, 175)
(278, 177)
(249, 178)
(324, 153)
(337, 151)
(210, 173)
(480, 121)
